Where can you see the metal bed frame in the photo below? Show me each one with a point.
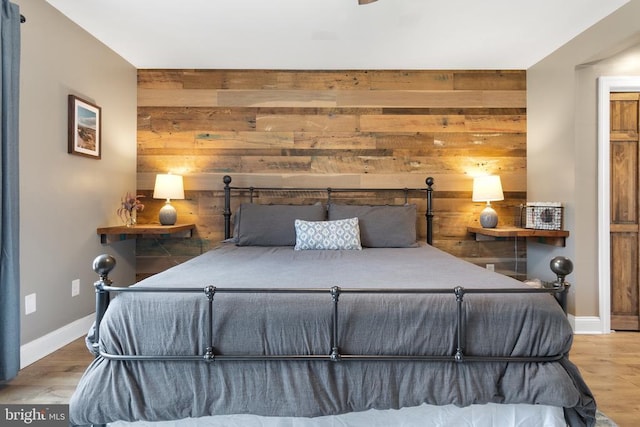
(103, 264)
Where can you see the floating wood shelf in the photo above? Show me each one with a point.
(548, 237)
(122, 232)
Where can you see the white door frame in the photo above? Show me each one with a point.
(606, 85)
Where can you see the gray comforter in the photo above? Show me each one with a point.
(301, 324)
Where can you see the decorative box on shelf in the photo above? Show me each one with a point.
(543, 215)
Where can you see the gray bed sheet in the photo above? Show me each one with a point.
(502, 324)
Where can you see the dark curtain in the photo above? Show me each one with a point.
(9, 202)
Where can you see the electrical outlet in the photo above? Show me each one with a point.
(491, 267)
(75, 287)
(30, 304)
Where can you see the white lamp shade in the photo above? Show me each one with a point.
(168, 186)
(487, 189)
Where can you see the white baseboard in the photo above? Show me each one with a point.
(43, 346)
(587, 325)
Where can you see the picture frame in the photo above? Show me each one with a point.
(85, 126)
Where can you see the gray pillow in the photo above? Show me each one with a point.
(381, 226)
(273, 225)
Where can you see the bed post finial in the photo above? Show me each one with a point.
(102, 265)
(562, 267)
(227, 206)
(429, 181)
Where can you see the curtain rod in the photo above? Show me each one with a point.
(22, 19)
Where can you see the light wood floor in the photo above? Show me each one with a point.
(610, 365)
(51, 379)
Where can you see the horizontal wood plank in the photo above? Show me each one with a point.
(177, 97)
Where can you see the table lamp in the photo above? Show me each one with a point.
(168, 187)
(487, 189)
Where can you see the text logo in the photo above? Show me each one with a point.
(34, 415)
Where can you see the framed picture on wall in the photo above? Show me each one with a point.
(85, 122)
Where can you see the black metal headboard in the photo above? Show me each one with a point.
(329, 191)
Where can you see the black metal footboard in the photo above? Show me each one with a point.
(103, 264)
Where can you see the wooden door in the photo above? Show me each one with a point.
(624, 187)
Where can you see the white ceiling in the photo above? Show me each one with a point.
(335, 34)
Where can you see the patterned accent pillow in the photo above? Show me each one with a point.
(334, 235)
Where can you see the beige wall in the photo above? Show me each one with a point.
(63, 198)
(562, 142)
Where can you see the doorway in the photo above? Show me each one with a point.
(624, 178)
(606, 247)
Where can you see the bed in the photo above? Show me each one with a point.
(328, 314)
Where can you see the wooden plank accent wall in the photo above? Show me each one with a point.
(332, 128)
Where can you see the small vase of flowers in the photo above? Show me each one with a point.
(129, 206)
